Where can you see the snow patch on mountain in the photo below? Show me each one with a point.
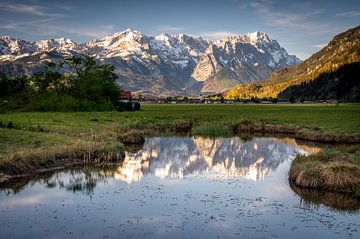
(163, 62)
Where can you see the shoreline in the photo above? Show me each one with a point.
(97, 155)
(30, 141)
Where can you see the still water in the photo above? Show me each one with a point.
(180, 187)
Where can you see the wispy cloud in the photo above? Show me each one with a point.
(348, 14)
(46, 21)
(300, 16)
(19, 25)
(30, 9)
(319, 46)
(216, 35)
(170, 29)
(92, 31)
(49, 27)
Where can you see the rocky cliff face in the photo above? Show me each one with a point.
(239, 60)
(343, 51)
(161, 65)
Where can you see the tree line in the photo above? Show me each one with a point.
(77, 84)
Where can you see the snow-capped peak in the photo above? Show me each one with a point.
(61, 44)
(181, 37)
(258, 37)
(253, 38)
(176, 50)
(163, 37)
(127, 35)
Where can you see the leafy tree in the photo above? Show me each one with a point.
(88, 86)
(11, 86)
(92, 81)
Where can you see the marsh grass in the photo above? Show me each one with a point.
(48, 132)
(78, 153)
(24, 152)
(208, 130)
(181, 126)
(335, 169)
(357, 190)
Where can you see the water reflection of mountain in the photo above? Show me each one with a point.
(177, 157)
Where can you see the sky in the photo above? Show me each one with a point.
(301, 27)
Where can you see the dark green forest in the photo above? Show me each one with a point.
(84, 86)
(342, 85)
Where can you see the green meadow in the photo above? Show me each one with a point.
(47, 130)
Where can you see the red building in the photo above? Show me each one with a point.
(125, 95)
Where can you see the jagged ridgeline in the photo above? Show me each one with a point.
(331, 73)
(166, 65)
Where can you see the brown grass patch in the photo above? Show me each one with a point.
(340, 175)
(79, 153)
(249, 127)
(327, 138)
(133, 136)
(335, 169)
(182, 126)
(305, 177)
(301, 133)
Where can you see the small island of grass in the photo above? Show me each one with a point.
(333, 169)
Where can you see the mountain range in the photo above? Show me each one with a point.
(165, 65)
(331, 73)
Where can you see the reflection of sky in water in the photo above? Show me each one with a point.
(176, 188)
(177, 157)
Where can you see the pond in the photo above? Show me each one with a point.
(180, 187)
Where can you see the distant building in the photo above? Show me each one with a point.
(154, 100)
(125, 95)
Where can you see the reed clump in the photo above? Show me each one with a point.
(336, 169)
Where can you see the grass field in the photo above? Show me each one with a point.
(37, 130)
(335, 119)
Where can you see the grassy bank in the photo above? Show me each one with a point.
(31, 135)
(28, 152)
(335, 169)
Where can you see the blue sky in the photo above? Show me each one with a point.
(302, 27)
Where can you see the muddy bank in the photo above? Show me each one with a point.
(326, 138)
(100, 153)
(300, 133)
(336, 169)
(243, 128)
(25, 163)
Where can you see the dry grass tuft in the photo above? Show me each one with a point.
(181, 126)
(305, 177)
(340, 175)
(332, 169)
(132, 137)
